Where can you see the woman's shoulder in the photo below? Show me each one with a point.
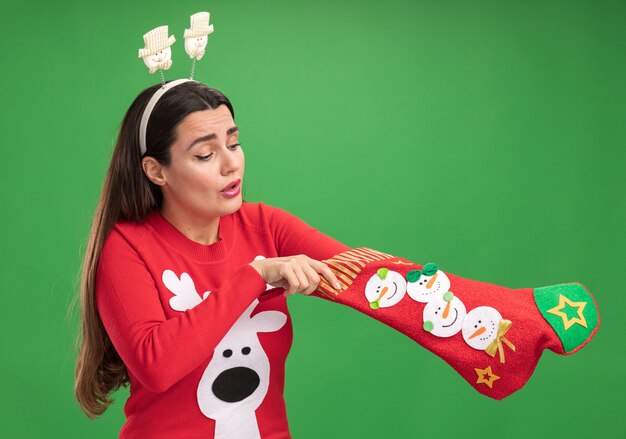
(264, 207)
(127, 234)
(252, 215)
(260, 214)
(272, 220)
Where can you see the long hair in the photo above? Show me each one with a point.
(127, 194)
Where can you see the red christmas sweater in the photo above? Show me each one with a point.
(205, 357)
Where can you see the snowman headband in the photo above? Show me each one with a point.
(157, 55)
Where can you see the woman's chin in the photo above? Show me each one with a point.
(232, 205)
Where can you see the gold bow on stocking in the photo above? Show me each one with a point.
(503, 326)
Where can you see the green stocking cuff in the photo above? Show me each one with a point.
(571, 312)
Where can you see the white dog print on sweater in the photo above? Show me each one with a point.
(236, 379)
(185, 294)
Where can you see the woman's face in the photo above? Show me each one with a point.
(206, 159)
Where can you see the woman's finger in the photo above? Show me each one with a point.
(302, 278)
(313, 277)
(292, 280)
(328, 274)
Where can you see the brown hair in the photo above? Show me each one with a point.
(127, 194)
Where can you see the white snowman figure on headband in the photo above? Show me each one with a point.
(428, 283)
(197, 36)
(157, 53)
(385, 288)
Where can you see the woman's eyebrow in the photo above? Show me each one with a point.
(212, 136)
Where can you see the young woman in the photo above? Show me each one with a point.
(174, 285)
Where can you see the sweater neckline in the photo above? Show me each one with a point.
(216, 252)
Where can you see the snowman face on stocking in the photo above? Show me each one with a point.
(443, 316)
(480, 327)
(425, 284)
(385, 288)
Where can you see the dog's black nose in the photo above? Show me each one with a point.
(236, 384)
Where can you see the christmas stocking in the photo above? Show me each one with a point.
(493, 336)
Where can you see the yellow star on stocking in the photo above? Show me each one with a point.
(567, 321)
(483, 373)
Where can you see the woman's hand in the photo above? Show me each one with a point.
(296, 274)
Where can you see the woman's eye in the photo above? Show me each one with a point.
(204, 157)
(235, 145)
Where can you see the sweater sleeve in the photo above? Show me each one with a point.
(160, 351)
(294, 236)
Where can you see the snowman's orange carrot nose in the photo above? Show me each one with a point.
(447, 310)
(431, 281)
(478, 332)
(382, 293)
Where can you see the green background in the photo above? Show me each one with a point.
(486, 136)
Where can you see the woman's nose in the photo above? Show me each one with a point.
(230, 163)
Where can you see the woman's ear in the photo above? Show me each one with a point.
(153, 170)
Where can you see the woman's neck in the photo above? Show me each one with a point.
(198, 229)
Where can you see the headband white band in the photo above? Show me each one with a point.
(143, 126)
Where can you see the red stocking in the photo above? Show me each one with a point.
(493, 336)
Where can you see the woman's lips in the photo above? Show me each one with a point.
(231, 191)
(231, 185)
